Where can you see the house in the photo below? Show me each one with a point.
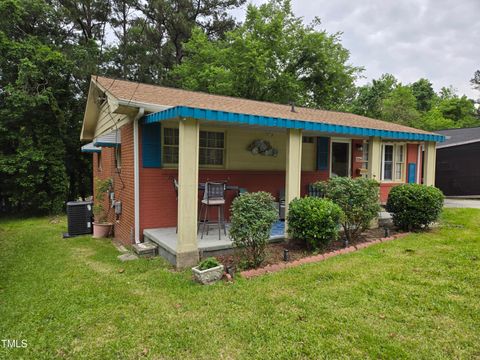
(147, 137)
(458, 162)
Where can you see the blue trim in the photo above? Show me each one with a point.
(231, 117)
(412, 172)
(323, 144)
(92, 151)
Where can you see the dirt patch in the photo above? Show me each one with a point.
(297, 250)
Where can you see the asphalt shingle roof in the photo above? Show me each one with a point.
(459, 136)
(160, 95)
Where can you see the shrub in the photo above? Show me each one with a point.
(101, 189)
(359, 200)
(314, 220)
(253, 215)
(208, 263)
(414, 206)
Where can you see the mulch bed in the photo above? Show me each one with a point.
(299, 254)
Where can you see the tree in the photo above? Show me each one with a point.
(401, 107)
(424, 93)
(369, 98)
(274, 57)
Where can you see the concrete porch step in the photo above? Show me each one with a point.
(145, 249)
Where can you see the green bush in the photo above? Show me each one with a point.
(208, 263)
(414, 206)
(314, 221)
(253, 215)
(359, 200)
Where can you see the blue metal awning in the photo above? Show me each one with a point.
(231, 117)
(109, 140)
(90, 148)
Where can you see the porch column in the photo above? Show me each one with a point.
(294, 167)
(429, 163)
(375, 158)
(187, 249)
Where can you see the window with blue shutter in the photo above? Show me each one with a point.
(412, 172)
(322, 153)
(151, 145)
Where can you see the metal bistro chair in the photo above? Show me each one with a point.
(214, 196)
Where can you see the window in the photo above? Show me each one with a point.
(393, 162)
(212, 147)
(308, 139)
(170, 146)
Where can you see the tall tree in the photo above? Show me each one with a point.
(369, 99)
(400, 106)
(273, 56)
(423, 91)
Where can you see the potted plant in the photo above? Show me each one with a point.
(208, 271)
(101, 226)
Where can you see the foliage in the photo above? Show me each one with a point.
(208, 263)
(272, 56)
(253, 215)
(414, 206)
(101, 189)
(369, 98)
(423, 91)
(359, 200)
(314, 221)
(400, 106)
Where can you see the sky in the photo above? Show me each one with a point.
(435, 39)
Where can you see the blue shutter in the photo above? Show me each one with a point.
(322, 153)
(412, 173)
(151, 145)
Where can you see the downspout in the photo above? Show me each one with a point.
(136, 173)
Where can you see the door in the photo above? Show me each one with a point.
(340, 164)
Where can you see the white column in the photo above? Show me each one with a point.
(187, 248)
(375, 158)
(294, 167)
(429, 163)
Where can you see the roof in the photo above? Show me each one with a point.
(456, 137)
(109, 140)
(133, 92)
(90, 148)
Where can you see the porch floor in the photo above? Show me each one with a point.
(210, 245)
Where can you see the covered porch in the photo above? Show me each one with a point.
(337, 151)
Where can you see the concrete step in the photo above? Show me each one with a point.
(145, 249)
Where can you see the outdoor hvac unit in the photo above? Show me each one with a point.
(79, 215)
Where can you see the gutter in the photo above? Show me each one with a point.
(136, 173)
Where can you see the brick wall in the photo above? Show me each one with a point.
(123, 185)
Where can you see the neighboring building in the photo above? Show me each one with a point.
(458, 162)
(162, 135)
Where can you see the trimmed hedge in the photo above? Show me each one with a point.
(314, 221)
(414, 206)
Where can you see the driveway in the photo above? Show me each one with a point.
(462, 203)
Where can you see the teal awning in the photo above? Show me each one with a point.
(109, 140)
(257, 120)
(90, 148)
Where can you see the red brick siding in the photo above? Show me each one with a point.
(356, 165)
(123, 185)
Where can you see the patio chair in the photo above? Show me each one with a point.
(214, 196)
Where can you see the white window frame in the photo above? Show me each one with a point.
(345, 141)
(175, 165)
(394, 179)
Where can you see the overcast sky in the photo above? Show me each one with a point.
(435, 39)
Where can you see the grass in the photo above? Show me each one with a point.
(412, 298)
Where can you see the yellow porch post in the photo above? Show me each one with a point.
(294, 167)
(429, 163)
(375, 158)
(187, 249)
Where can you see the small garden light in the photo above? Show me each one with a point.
(286, 255)
(387, 231)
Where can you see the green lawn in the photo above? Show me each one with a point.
(418, 297)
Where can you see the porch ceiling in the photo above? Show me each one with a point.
(283, 123)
